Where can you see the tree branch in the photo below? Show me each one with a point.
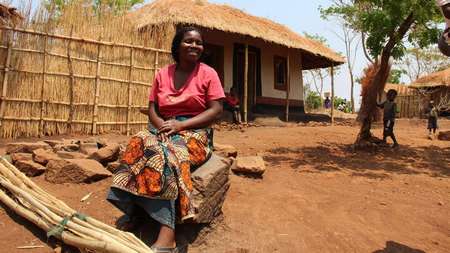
(363, 43)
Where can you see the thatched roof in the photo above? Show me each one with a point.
(9, 15)
(441, 78)
(402, 89)
(228, 19)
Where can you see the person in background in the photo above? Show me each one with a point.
(390, 109)
(231, 104)
(327, 103)
(433, 114)
(444, 41)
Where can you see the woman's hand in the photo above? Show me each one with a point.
(171, 127)
(163, 137)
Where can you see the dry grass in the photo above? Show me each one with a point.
(25, 117)
(441, 78)
(229, 19)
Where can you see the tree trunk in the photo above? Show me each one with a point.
(379, 81)
(352, 92)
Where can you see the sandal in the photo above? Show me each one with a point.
(156, 249)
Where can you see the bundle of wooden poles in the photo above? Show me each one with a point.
(47, 212)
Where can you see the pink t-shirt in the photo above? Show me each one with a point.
(191, 99)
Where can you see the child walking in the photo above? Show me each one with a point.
(390, 109)
(432, 119)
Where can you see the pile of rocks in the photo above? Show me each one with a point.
(314, 124)
(232, 126)
(94, 159)
(66, 161)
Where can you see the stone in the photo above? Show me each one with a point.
(225, 150)
(269, 121)
(71, 155)
(69, 147)
(444, 135)
(110, 153)
(112, 166)
(210, 185)
(71, 141)
(21, 157)
(88, 148)
(26, 147)
(75, 171)
(249, 165)
(30, 168)
(53, 143)
(101, 142)
(43, 156)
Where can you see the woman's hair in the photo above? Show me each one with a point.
(178, 38)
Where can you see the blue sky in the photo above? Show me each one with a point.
(300, 16)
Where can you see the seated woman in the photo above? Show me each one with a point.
(155, 171)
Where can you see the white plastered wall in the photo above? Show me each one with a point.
(268, 51)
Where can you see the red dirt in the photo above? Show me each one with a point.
(318, 195)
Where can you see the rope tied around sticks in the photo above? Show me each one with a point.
(58, 229)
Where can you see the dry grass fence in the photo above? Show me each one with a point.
(56, 84)
(409, 105)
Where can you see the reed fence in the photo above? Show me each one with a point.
(409, 105)
(56, 84)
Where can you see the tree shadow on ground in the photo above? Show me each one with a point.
(394, 247)
(375, 164)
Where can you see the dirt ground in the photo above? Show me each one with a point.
(317, 195)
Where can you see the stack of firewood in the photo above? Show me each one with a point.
(25, 198)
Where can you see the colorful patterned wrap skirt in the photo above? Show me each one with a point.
(156, 176)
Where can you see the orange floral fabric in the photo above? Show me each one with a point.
(158, 170)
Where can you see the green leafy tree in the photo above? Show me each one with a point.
(342, 103)
(318, 76)
(388, 27)
(419, 62)
(396, 75)
(313, 100)
(117, 6)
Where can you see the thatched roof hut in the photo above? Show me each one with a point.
(9, 16)
(437, 79)
(436, 87)
(228, 19)
(402, 89)
(276, 56)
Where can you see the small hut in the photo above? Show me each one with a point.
(436, 87)
(263, 60)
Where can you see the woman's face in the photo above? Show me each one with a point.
(191, 47)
